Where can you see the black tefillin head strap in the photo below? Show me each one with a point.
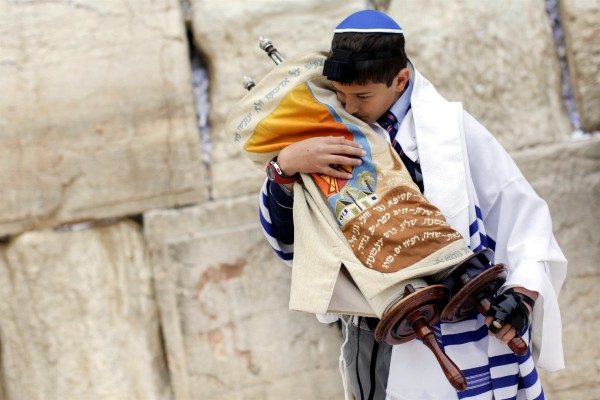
(339, 66)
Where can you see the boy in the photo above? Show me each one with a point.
(503, 214)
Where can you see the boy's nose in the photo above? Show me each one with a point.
(350, 107)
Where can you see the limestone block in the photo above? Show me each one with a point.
(78, 317)
(498, 58)
(580, 24)
(223, 298)
(227, 32)
(97, 112)
(568, 178)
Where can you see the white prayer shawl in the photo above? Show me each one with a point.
(498, 206)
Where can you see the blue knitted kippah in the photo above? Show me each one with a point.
(367, 21)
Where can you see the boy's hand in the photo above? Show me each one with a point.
(507, 332)
(318, 154)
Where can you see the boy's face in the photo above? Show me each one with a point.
(370, 101)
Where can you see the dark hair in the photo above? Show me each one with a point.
(373, 71)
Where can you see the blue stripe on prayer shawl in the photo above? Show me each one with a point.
(268, 230)
(473, 391)
(476, 231)
(484, 241)
(285, 256)
(265, 198)
(505, 381)
(528, 380)
(478, 382)
(491, 243)
(265, 202)
(478, 213)
(503, 359)
(477, 373)
(465, 337)
(266, 225)
(474, 228)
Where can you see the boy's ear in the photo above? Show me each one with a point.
(401, 79)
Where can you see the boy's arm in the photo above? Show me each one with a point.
(281, 205)
(276, 219)
(318, 154)
(314, 155)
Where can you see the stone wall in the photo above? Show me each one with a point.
(100, 119)
(79, 318)
(98, 124)
(583, 54)
(567, 177)
(498, 58)
(223, 298)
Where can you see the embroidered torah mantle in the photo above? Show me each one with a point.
(377, 225)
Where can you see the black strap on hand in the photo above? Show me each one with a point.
(510, 308)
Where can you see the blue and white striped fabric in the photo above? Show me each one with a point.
(492, 370)
(479, 240)
(284, 251)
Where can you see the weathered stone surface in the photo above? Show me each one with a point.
(227, 32)
(78, 317)
(223, 298)
(579, 19)
(498, 58)
(568, 178)
(97, 114)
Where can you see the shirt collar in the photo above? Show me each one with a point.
(402, 105)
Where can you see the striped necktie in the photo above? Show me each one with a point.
(388, 122)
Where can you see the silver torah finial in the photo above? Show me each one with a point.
(268, 47)
(248, 83)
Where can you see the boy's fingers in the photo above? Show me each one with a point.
(510, 333)
(506, 333)
(341, 160)
(344, 142)
(488, 321)
(345, 149)
(501, 332)
(337, 174)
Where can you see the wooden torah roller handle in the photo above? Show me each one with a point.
(475, 295)
(412, 317)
